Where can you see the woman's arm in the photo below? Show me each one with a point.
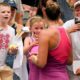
(41, 59)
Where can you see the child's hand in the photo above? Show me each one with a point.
(34, 43)
(33, 58)
(78, 71)
(13, 49)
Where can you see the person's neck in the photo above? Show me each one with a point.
(11, 22)
(3, 25)
(54, 23)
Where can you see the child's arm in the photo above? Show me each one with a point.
(28, 45)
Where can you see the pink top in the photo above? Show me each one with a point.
(34, 70)
(55, 69)
(34, 50)
(62, 51)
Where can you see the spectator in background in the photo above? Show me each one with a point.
(21, 63)
(12, 21)
(73, 27)
(66, 9)
(19, 12)
(38, 9)
(71, 2)
(30, 11)
(33, 7)
(6, 35)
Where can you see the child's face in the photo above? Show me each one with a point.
(5, 14)
(36, 28)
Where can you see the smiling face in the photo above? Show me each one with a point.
(36, 25)
(5, 13)
(77, 11)
(36, 28)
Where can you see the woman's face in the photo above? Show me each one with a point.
(36, 28)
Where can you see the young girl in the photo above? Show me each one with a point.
(31, 44)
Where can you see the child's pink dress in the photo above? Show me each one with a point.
(34, 70)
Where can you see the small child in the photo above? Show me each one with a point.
(31, 44)
(6, 34)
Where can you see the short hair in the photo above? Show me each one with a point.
(4, 4)
(52, 10)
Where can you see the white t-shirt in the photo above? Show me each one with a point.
(75, 38)
(5, 38)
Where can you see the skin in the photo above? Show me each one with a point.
(12, 20)
(35, 29)
(76, 27)
(5, 15)
(77, 13)
(32, 12)
(71, 2)
(48, 39)
(45, 43)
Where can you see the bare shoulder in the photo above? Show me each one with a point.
(44, 34)
(47, 33)
(27, 39)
